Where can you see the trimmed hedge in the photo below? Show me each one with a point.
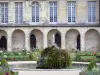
(54, 58)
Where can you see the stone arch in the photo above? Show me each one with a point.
(72, 38)
(18, 40)
(3, 40)
(92, 40)
(38, 38)
(54, 37)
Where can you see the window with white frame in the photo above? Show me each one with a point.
(91, 11)
(4, 12)
(35, 12)
(18, 12)
(71, 12)
(53, 11)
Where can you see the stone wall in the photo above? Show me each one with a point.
(81, 6)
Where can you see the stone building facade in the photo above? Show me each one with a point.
(70, 24)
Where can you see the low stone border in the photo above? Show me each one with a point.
(34, 62)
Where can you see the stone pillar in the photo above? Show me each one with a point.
(44, 40)
(82, 41)
(27, 42)
(63, 40)
(9, 42)
(53, 39)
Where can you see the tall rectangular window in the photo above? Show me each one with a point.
(18, 12)
(35, 12)
(4, 12)
(91, 11)
(71, 12)
(53, 11)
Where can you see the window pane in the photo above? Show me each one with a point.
(4, 12)
(35, 12)
(91, 11)
(53, 11)
(18, 12)
(71, 11)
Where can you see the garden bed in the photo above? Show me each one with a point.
(87, 56)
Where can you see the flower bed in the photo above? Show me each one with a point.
(9, 73)
(21, 56)
(87, 56)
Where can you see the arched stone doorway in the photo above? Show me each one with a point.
(36, 39)
(54, 37)
(72, 39)
(18, 40)
(32, 41)
(58, 40)
(92, 40)
(78, 42)
(3, 43)
(3, 40)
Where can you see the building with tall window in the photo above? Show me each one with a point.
(70, 24)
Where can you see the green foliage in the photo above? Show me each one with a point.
(89, 73)
(21, 55)
(77, 58)
(5, 69)
(91, 65)
(54, 58)
(4, 65)
(34, 55)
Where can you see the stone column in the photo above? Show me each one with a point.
(82, 41)
(9, 42)
(27, 42)
(53, 39)
(44, 39)
(63, 40)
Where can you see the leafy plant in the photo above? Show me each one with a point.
(91, 65)
(77, 58)
(54, 58)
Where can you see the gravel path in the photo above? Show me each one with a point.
(49, 72)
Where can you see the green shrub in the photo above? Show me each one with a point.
(4, 65)
(34, 55)
(5, 69)
(54, 58)
(89, 73)
(91, 65)
(77, 58)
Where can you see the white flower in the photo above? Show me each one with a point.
(1, 51)
(19, 53)
(36, 53)
(28, 53)
(5, 56)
